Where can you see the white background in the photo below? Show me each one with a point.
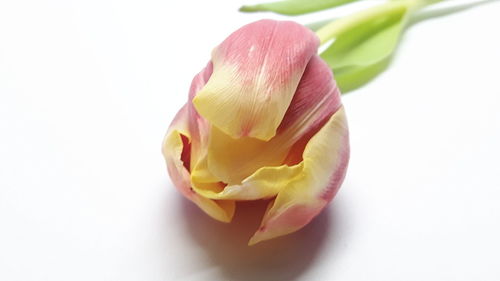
(88, 88)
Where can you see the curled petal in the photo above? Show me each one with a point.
(265, 183)
(176, 149)
(254, 78)
(325, 160)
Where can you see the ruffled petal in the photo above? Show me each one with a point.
(176, 149)
(233, 160)
(325, 160)
(254, 78)
(265, 183)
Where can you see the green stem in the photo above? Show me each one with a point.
(337, 27)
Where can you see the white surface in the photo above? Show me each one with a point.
(88, 88)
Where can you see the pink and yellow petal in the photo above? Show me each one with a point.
(254, 78)
(175, 143)
(198, 126)
(317, 97)
(325, 160)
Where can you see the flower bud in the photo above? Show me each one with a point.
(263, 120)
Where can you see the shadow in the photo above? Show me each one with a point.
(283, 258)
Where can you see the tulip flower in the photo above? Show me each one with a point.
(263, 120)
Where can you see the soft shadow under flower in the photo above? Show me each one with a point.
(284, 258)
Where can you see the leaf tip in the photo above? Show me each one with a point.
(249, 9)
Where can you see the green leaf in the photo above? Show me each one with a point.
(364, 51)
(351, 78)
(295, 7)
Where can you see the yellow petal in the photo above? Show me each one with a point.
(173, 148)
(232, 160)
(264, 183)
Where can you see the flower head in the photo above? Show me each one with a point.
(263, 120)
